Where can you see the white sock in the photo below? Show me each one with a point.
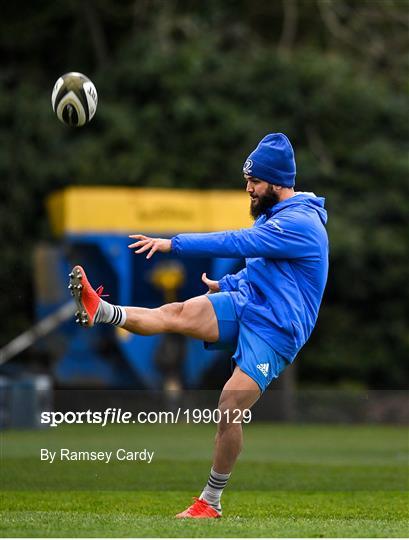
(110, 314)
(214, 489)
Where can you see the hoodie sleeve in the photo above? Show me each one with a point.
(230, 282)
(284, 238)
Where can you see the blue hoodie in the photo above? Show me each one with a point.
(279, 292)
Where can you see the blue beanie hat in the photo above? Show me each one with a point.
(272, 161)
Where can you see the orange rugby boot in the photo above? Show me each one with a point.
(199, 509)
(86, 298)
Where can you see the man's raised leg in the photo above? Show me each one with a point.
(195, 317)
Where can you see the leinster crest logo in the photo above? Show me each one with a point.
(247, 166)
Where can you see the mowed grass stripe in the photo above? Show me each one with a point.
(162, 475)
(315, 444)
(259, 514)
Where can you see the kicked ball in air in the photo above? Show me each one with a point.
(74, 99)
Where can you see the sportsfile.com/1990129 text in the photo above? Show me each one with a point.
(118, 416)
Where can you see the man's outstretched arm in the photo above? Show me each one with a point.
(291, 239)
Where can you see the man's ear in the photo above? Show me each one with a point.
(277, 188)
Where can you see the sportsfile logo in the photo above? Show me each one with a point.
(119, 416)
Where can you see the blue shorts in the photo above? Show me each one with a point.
(252, 354)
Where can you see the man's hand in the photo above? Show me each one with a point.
(144, 243)
(211, 283)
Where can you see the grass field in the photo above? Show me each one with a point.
(290, 481)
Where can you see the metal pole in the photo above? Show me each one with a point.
(39, 330)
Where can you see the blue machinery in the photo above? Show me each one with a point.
(93, 225)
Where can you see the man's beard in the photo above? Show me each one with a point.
(262, 203)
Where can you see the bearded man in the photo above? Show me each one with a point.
(265, 312)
